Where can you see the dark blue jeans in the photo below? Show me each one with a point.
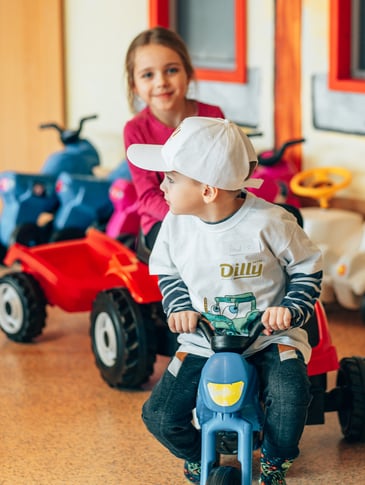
(285, 396)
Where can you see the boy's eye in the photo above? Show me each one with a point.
(169, 179)
(172, 70)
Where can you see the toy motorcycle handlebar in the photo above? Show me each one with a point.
(68, 136)
(231, 343)
(270, 158)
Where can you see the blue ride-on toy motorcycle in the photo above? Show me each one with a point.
(228, 403)
(25, 196)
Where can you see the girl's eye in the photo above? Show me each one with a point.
(172, 70)
(147, 75)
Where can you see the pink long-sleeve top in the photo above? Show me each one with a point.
(145, 128)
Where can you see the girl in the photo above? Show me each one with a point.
(158, 70)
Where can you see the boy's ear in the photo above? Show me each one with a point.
(209, 193)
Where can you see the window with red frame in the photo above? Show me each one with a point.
(347, 45)
(214, 31)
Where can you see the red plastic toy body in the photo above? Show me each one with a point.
(71, 273)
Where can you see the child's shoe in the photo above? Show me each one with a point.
(274, 480)
(192, 470)
(273, 470)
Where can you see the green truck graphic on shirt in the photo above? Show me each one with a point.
(232, 314)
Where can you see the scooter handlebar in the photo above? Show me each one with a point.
(275, 156)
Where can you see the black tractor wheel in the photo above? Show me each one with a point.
(22, 307)
(224, 475)
(351, 380)
(123, 339)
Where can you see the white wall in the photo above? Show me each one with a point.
(98, 33)
(260, 55)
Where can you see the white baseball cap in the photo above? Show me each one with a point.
(213, 151)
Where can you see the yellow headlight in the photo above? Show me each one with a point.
(225, 394)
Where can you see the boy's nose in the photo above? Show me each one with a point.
(162, 185)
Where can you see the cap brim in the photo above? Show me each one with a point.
(148, 157)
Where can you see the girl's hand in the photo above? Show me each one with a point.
(183, 322)
(276, 318)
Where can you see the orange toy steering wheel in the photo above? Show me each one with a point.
(320, 183)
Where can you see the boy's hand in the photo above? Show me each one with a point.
(183, 322)
(276, 318)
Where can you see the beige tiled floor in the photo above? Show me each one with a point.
(61, 424)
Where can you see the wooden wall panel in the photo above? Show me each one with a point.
(31, 81)
(287, 112)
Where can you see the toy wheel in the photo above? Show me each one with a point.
(67, 234)
(22, 307)
(123, 339)
(28, 234)
(224, 475)
(351, 379)
(320, 183)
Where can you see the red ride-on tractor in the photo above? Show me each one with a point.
(128, 329)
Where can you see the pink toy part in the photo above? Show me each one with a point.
(277, 172)
(125, 218)
(276, 186)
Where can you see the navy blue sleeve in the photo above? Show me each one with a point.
(302, 293)
(175, 295)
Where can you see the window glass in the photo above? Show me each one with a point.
(358, 39)
(207, 26)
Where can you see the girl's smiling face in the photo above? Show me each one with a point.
(160, 79)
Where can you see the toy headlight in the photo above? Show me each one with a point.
(6, 184)
(225, 394)
(342, 269)
(59, 186)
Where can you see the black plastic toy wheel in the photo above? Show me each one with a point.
(123, 339)
(22, 307)
(351, 379)
(28, 234)
(224, 475)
